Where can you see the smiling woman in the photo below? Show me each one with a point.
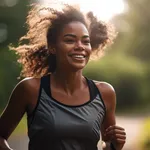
(66, 110)
(74, 41)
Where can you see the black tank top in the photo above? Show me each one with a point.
(56, 126)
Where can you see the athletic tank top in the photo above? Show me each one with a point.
(56, 126)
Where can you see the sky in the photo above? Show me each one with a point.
(103, 9)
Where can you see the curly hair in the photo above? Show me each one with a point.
(44, 25)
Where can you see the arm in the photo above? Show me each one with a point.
(111, 133)
(4, 145)
(13, 112)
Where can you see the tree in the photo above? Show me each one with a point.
(13, 18)
(134, 30)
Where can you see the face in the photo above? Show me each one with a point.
(73, 46)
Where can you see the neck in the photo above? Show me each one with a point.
(68, 81)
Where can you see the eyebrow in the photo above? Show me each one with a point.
(74, 36)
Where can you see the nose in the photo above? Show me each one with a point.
(79, 46)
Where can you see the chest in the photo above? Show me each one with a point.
(54, 119)
(79, 97)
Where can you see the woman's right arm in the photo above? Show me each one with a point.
(13, 112)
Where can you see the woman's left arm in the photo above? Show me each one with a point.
(112, 134)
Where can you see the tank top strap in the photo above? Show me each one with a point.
(45, 83)
(95, 92)
(92, 88)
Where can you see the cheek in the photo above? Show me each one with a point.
(64, 48)
(89, 50)
(62, 51)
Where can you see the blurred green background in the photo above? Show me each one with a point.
(125, 64)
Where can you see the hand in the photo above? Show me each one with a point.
(116, 135)
(4, 145)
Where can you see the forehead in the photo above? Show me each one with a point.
(76, 28)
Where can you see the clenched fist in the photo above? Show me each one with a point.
(116, 135)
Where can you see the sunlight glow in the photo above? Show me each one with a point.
(103, 9)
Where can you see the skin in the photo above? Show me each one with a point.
(68, 79)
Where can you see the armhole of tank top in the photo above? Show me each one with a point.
(32, 114)
(99, 93)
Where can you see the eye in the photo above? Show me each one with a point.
(86, 41)
(69, 41)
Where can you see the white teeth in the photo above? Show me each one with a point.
(78, 56)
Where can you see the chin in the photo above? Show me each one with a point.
(77, 67)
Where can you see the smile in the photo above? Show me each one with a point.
(78, 57)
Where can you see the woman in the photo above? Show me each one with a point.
(66, 111)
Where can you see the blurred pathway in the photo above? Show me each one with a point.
(132, 126)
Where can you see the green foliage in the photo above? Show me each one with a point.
(134, 30)
(8, 75)
(14, 19)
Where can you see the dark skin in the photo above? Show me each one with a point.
(73, 50)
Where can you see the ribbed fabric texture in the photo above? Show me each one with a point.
(55, 126)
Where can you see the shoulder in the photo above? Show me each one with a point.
(28, 83)
(108, 94)
(26, 89)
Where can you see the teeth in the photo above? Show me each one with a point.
(78, 56)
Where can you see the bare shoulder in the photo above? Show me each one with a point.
(105, 88)
(29, 82)
(108, 93)
(102, 84)
(27, 89)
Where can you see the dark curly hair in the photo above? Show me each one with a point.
(44, 25)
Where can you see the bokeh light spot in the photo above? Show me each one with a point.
(10, 3)
(3, 32)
